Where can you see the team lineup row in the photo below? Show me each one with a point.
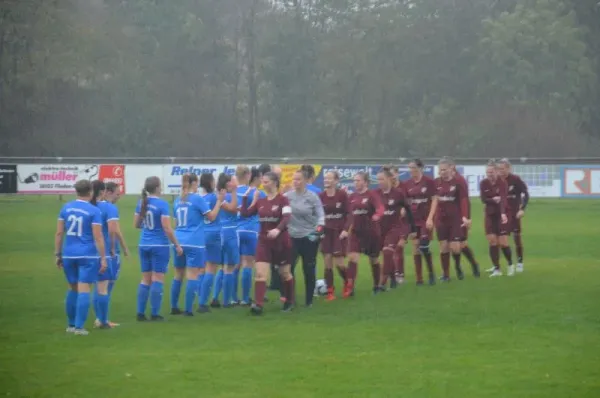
(234, 228)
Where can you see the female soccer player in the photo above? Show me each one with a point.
(115, 240)
(305, 229)
(363, 231)
(399, 254)
(213, 241)
(518, 197)
(152, 216)
(465, 248)
(274, 246)
(420, 191)
(190, 211)
(230, 248)
(333, 246)
(394, 229)
(248, 228)
(81, 255)
(451, 217)
(493, 193)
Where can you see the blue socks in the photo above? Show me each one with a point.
(71, 307)
(205, 287)
(142, 298)
(111, 284)
(175, 292)
(102, 304)
(246, 284)
(218, 284)
(81, 312)
(227, 289)
(156, 293)
(236, 278)
(190, 293)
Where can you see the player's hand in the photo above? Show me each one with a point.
(112, 253)
(429, 224)
(496, 199)
(466, 222)
(59, 261)
(343, 234)
(179, 250)
(103, 265)
(375, 217)
(520, 213)
(504, 219)
(274, 233)
(221, 195)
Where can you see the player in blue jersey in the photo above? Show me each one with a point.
(79, 247)
(152, 216)
(230, 249)
(114, 241)
(190, 211)
(212, 236)
(309, 172)
(248, 228)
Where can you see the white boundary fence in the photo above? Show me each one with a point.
(546, 178)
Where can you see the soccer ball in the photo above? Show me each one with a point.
(321, 287)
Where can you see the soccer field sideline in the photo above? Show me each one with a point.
(532, 335)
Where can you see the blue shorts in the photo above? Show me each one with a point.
(154, 258)
(107, 275)
(248, 242)
(193, 257)
(213, 246)
(81, 270)
(230, 249)
(115, 267)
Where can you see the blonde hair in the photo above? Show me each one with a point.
(186, 181)
(242, 171)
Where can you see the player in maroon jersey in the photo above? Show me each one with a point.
(451, 217)
(464, 246)
(518, 197)
(493, 192)
(420, 192)
(399, 255)
(395, 230)
(274, 245)
(333, 245)
(362, 229)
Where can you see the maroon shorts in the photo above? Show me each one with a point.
(369, 244)
(493, 225)
(393, 236)
(332, 244)
(465, 234)
(449, 230)
(422, 233)
(515, 224)
(276, 252)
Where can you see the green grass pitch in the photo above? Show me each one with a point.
(534, 335)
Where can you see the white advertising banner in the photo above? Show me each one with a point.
(136, 174)
(53, 178)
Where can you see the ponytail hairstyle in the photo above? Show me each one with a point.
(186, 181)
(222, 181)
(254, 176)
(273, 177)
(98, 188)
(264, 169)
(206, 182)
(308, 171)
(151, 185)
(364, 176)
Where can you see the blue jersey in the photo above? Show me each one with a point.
(189, 214)
(109, 213)
(314, 188)
(153, 233)
(211, 201)
(227, 219)
(78, 217)
(248, 223)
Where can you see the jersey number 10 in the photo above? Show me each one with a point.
(149, 220)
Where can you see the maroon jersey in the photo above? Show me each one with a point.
(489, 189)
(517, 193)
(420, 194)
(362, 208)
(336, 209)
(452, 199)
(463, 181)
(272, 213)
(393, 201)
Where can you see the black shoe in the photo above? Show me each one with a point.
(176, 311)
(215, 304)
(431, 279)
(157, 318)
(141, 318)
(287, 307)
(256, 310)
(420, 283)
(460, 274)
(476, 272)
(444, 279)
(203, 309)
(393, 283)
(188, 313)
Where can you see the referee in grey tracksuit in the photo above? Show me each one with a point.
(305, 228)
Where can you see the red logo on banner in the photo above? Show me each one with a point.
(113, 173)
